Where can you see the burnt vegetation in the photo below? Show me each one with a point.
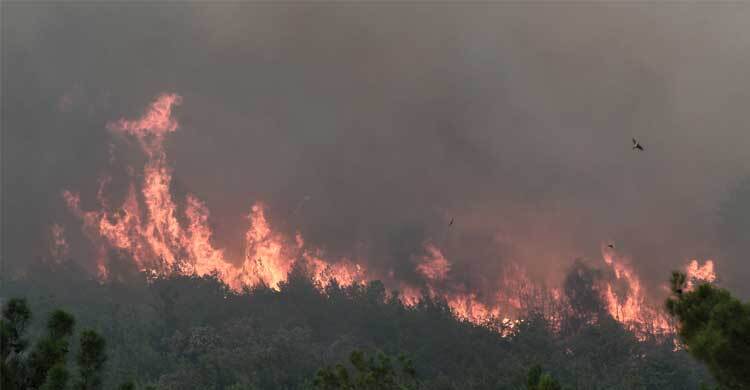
(188, 332)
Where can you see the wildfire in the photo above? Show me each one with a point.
(265, 257)
(160, 239)
(631, 307)
(153, 126)
(697, 273)
(434, 266)
(409, 295)
(508, 302)
(151, 233)
(467, 306)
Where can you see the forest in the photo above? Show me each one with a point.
(189, 332)
(179, 177)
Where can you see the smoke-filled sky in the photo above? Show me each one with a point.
(515, 120)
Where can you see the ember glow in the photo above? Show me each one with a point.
(161, 238)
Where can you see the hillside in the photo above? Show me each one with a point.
(186, 332)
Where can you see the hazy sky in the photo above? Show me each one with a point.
(514, 119)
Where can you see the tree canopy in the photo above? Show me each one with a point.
(45, 367)
(715, 327)
(181, 332)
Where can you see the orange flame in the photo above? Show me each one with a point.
(697, 273)
(631, 308)
(434, 266)
(503, 304)
(153, 236)
(147, 226)
(266, 259)
(153, 126)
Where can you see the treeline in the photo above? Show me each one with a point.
(45, 366)
(186, 332)
(715, 327)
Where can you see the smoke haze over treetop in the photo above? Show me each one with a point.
(513, 119)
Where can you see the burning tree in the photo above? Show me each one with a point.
(162, 235)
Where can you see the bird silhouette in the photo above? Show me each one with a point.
(611, 245)
(637, 145)
(300, 204)
(451, 222)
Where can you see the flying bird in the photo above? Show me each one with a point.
(611, 245)
(300, 204)
(637, 145)
(451, 222)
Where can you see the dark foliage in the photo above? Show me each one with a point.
(715, 326)
(186, 332)
(15, 316)
(90, 359)
(45, 366)
(50, 351)
(538, 380)
(370, 373)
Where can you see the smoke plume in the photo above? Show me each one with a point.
(366, 128)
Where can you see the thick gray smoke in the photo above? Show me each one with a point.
(515, 120)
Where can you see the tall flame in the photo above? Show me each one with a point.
(631, 307)
(148, 226)
(151, 233)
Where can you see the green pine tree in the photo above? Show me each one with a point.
(715, 327)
